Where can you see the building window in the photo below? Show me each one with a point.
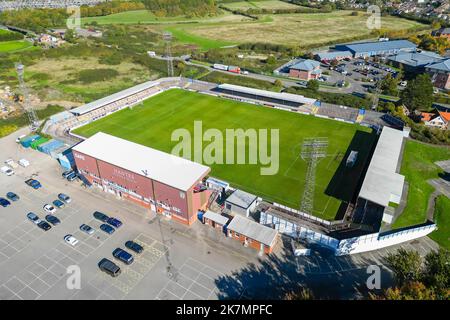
(182, 195)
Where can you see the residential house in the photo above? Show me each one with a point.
(436, 119)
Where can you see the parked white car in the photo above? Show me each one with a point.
(49, 208)
(24, 163)
(11, 163)
(20, 138)
(7, 170)
(70, 239)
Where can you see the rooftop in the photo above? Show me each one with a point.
(241, 199)
(308, 65)
(381, 180)
(157, 165)
(268, 94)
(218, 218)
(112, 98)
(253, 230)
(416, 59)
(333, 55)
(379, 46)
(442, 66)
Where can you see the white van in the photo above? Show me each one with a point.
(11, 163)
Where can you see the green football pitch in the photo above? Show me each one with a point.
(152, 123)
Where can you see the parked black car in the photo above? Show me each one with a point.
(133, 246)
(123, 256)
(52, 219)
(44, 226)
(100, 216)
(109, 267)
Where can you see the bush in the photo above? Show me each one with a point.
(96, 75)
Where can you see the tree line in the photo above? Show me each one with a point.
(188, 8)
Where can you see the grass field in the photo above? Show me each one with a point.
(266, 4)
(418, 167)
(16, 45)
(298, 29)
(442, 218)
(152, 124)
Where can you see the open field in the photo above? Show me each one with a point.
(442, 217)
(298, 29)
(265, 4)
(17, 45)
(418, 167)
(153, 122)
(147, 17)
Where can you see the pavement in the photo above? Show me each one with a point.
(178, 262)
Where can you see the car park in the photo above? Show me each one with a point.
(70, 239)
(114, 222)
(133, 246)
(109, 267)
(86, 229)
(52, 219)
(58, 204)
(33, 217)
(123, 256)
(49, 208)
(107, 228)
(12, 196)
(100, 216)
(44, 225)
(33, 183)
(64, 197)
(4, 203)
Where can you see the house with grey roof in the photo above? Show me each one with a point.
(241, 202)
(442, 32)
(305, 70)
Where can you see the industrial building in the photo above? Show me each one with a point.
(414, 62)
(369, 49)
(252, 234)
(329, 56)
(154, 179)
(305, 70)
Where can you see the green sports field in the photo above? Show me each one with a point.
(153, 122)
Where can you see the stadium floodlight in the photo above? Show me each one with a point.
(313, 149)
(167, 37)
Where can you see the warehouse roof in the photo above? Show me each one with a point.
(381, 180)
(241, 199)
(112, 98)
(218, 218)
(379, 46)
(442, 66)
(416, 59)
(157, 165)
(268, 94)
(331, 55)
(253, 230)
(307, 65)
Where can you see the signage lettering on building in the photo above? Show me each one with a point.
(123, 174)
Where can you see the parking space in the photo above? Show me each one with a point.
(194, 281)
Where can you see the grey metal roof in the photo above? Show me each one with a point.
(241, 199)
(218, 218)
(308, 65)
(381, 180)
(379, 46)
(112, 98)
(268, 94)
(253, 230)
(333, 55)
(441, 66)
(416, 59)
